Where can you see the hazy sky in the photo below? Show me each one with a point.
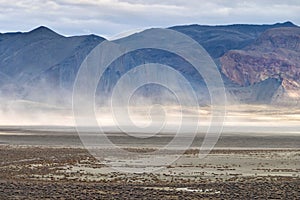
(110, 17)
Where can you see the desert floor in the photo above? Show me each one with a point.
(42, 172)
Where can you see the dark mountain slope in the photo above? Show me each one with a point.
(41, 58)
(219, 39)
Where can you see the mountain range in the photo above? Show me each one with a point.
(259, 63)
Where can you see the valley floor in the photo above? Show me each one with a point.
(40, 172)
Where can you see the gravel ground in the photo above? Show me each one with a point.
(267, 188)
(45, 173)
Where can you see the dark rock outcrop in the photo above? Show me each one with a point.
(276, 55)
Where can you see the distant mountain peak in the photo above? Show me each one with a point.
(287, 23)
(44, 31)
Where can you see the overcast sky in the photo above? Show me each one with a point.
(110, 17)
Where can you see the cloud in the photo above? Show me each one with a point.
(109, 17)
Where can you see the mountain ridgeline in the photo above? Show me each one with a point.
(259, 64)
